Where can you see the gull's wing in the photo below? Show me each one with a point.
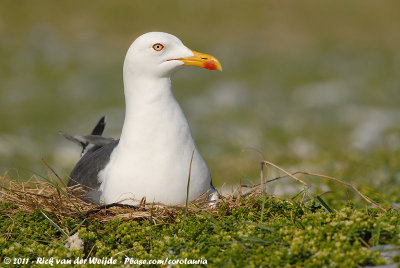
(85, 172)
(96, 151)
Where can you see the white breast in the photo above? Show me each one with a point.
(153, 156)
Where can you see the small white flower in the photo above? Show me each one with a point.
(74, 242)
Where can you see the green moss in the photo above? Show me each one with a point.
(289, 235)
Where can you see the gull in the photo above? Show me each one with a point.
(156, 151)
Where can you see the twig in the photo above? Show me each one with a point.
(16, 191)
(125, 250)
(365, 243)
(90, 252)
(53, 223)
(275, 179)
(287, 173)
(187, 190)
(262, 176)
(53, 171)
(344, 183)
(99, 208)
(325, 177)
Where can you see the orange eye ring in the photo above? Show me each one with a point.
(158, 47)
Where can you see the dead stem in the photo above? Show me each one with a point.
(53, 171)
(344, 183)
(368, 200)
(287, 173)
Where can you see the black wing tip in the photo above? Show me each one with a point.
(99, 128)
(80, 140)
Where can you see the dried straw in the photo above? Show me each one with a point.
(62, 202)
(56, 198)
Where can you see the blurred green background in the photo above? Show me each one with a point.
(311, 85)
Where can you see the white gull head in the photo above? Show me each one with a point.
(159, 54)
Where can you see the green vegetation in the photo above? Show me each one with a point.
(288, 234)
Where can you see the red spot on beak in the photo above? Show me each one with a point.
(202, 60)
(210, 65)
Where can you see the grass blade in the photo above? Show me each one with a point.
(187, 191)
(207, 215)
(53, 223)
(325, 205)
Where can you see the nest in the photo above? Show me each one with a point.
(61, 201)
(54, 197)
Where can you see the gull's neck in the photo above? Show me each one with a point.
(141, 91)
(149, 103)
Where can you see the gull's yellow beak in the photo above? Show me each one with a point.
(202, 60)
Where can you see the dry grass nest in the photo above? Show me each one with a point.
(54, 197)
(62, 201)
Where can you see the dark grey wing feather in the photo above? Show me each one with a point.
(99, 128)
(97, 131)
(90, 142)
(85, 172)
(93, 142)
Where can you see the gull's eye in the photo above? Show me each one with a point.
(158, 47)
